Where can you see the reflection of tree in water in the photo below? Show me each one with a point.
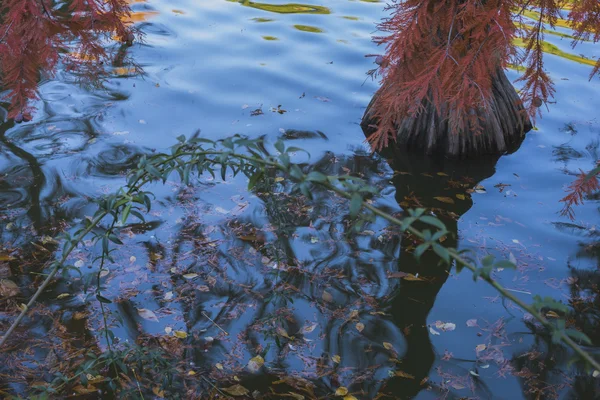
(289, 284)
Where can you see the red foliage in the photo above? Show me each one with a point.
(446, 53)
(35, 33)
(585, 184)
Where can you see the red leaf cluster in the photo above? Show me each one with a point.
(446, 52)
(36, 34)
(584, 185)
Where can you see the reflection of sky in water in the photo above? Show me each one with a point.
(207, 66)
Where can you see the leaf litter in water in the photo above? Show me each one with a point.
(445, 326)
(236, 390)
(255, 364)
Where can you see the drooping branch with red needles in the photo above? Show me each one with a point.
(36, 33)
(447, 53)
(585, 185)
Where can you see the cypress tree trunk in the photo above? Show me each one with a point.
(504, 123)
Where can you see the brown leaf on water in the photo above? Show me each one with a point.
(327, 297)
(336, 359)
(341, 391)
(236, 390)
(403, 374)
(89, 389)
(158, 391)
(411, 277)
(461, 196)
(388, 346)
(8, 288)
(447, 200)
(360, 326)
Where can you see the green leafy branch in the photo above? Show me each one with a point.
(197, 156)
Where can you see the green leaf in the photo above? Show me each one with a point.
(113, 238)
(254, 179)
(428, 219)
(442, 252)
(421, 249)
(103, 299)
(296, 172)
(280, 146)
(355, 204)
(138, 215)
(488, 260)
(126, 212)
(315, 176)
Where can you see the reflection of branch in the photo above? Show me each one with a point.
(39, 179)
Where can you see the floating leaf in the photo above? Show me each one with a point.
(309, 328)
(147, 314)
(350, 397)
(168, 295)
(168, 330)
(480, 347)
(403, 374)
(433, 331)
(191, 373)
(236, 390)
(460, 196)
(8, 288)
(79, 263)
(282, 332)
(63, 296)
(388, 346)
(336, 359)
(219, 366)
(448, 200)
(255, 364)
(445, 326)
(341, 391)
(360, 326)
(472, 323)
(596, 373)
(180, 334)
(327, 297)
(411, 277)
(190, 276)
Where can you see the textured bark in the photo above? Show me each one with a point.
(505, 123)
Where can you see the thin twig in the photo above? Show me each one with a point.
(217, 325)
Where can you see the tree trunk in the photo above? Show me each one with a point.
(505, 123)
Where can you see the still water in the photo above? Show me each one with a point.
(274, 271)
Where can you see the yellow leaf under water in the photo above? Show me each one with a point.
(180, 334)
(448, 200)
(236, 390)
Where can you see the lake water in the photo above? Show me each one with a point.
(277, 272)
